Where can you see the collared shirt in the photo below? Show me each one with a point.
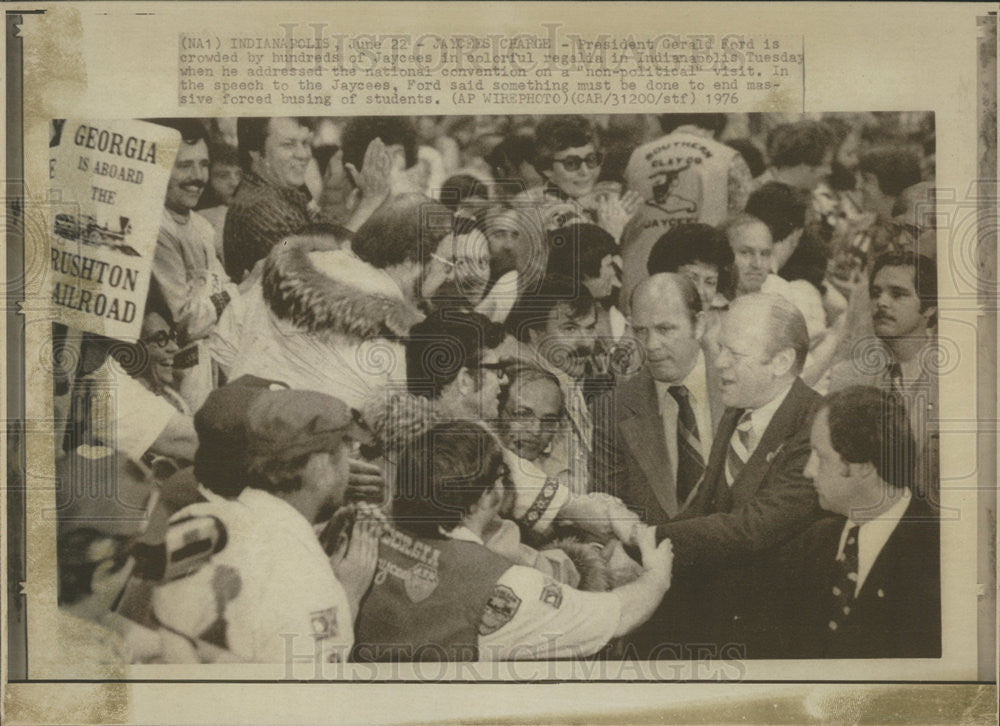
(531, 617)
(872, 536)
(269, 594)
(697, 384)
(760, 419)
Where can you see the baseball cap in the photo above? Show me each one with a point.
(220, 462)
(100, 489)
(287, 424)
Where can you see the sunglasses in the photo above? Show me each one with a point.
(572, 163)
(161, 338)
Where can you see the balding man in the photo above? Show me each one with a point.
(665, 415)
(753, 496)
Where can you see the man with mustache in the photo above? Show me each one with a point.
(194, 285)
(903, 292)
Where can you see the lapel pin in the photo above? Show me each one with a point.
(881, 592)
(772, 454)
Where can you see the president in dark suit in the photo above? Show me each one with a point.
(867, 582)
(665, 415)
(753, 496)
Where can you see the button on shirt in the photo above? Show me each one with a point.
(531, 617)
(271, 591)
(872, 536)
(697, 384)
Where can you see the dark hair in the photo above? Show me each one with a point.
(686, 244)
(252, 131)
(277, 475)
(76, 570)
(444, 343)
(532, 309)
(578, 249)
(751, 155)
(809, 260)
(803, 142)
(460, 187)
(505, 158)
(894, 167)
(404, 228)
(870, 426)
(360, 131)
(441, 474)
(192, 130)
(714, 122)
(323, 154)
(558, 133)
(780, 207)
(924, 276)
(224, 154)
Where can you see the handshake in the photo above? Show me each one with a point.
(604, 516)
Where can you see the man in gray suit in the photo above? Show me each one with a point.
(653, 454)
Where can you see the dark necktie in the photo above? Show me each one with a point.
(847, 581)
(739, 448)
(690, 462)
(895, 373)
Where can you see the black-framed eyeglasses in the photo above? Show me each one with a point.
(572, 163)
(161, 338)
(499, 367)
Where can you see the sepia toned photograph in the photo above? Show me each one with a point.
(461, 361)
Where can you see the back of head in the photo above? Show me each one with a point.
(780, 207)
(688, 244)
(870, 426)
(751, 155)
(803, 142)
(360, 131)
(441, 474)
(443, 343)
(895, 167)
(404, 228)
(578, 250)
(714, 122)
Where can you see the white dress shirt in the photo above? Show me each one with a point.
(872, 536)
(696, 383)
(760, 419)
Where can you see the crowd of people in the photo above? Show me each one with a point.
(484, 388)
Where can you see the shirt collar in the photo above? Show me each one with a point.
(760, 418)
(695, 381)
(279, 513)
(462, 533)
(873, 534)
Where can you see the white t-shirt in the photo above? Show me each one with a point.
(272, 585)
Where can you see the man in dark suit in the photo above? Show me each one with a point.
(753, 495)
(865, 583)
(665, 415)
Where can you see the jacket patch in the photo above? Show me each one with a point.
(420, 582)
(501, 607)
(324, 623)
(552, 594)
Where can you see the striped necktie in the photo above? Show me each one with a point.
(690, 462)
(739, 448)
(847, 580)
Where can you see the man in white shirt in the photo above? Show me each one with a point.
(665, 415)
(864, 584)
(273, 594)
(440, 594)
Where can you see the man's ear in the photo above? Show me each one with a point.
(466, 382)
(860, 471)
(929, 313)
(782, 362)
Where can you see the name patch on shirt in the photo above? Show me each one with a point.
(552, 594)
(501, 607)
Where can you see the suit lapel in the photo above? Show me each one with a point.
(714, 482)
(643, 433)
(715, 404)
(772, 441)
